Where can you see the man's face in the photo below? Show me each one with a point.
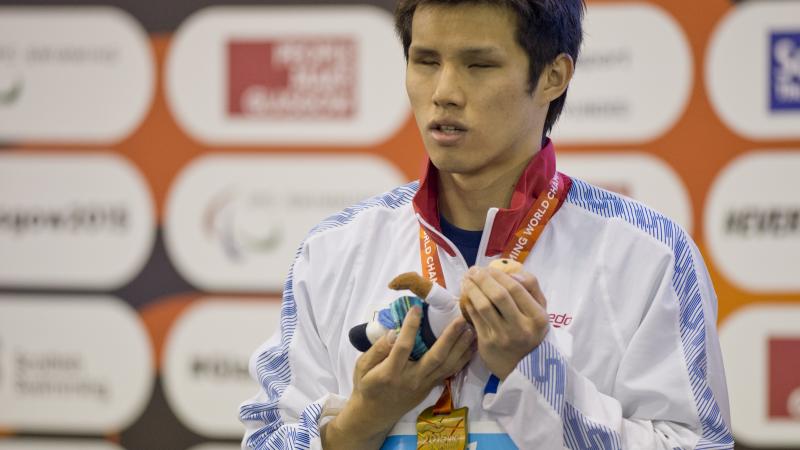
(468, 83)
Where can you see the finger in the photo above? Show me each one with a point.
(481, 304)
(450, 335)
(523, 300)
(489, 282)
(453, 368)
(531, 284)
(445, 344)
(459, 355)
(377, 353)
(463, 360)
(401, 350)
(482, 329)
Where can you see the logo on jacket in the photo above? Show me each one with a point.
(560, 320)
(784, 378)
(785, 71)
(296, 78)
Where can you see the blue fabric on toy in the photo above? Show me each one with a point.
(392, 318)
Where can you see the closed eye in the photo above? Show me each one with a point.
(482, 66)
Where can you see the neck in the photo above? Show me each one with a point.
(464, 199)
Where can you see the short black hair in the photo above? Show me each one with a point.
(545, 29)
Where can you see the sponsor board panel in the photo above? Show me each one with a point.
(633, 77)
(72, 364)
(752, 221)
(233, 223)
(761, 349)
(641, 176)
(288, 75)
(56, 444)
(205, 366)
(82, 74)
(753, 70)
(72, 221)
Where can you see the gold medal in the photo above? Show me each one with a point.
(441, 427)
(442, 431)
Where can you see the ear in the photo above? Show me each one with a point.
(555, 78)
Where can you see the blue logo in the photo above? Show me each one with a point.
(785, 71)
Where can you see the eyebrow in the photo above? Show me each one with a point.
(468, 51)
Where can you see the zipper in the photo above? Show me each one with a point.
(482, 259)
(462, 263)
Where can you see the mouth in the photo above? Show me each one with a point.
(447, 132)
(447, 126)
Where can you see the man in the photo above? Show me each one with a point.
(607, 338)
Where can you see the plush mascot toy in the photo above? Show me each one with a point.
(439, 308)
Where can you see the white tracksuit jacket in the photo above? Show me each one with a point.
(631, 360)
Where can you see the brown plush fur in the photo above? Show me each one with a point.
(414, 282)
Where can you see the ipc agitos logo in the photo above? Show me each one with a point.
(785, 71)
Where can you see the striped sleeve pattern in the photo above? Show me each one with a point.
(547, 370)
(274, 375)
(273, 367)
(715, 433)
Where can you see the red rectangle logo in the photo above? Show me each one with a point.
(784, 378)
(293, 78)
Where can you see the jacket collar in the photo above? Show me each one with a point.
(534, 179)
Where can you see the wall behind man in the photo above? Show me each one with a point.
(160, 162)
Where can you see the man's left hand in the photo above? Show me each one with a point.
(509, 313)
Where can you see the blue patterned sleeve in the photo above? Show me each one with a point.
(273, 419)
(666, 387)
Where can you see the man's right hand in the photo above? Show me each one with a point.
(386, 384)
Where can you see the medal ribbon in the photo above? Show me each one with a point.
(531, 228)
(518, 249)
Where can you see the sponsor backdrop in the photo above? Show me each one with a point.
(161, 161)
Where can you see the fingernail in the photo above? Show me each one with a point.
(517, 276)
(469, 333)
(417, 310)
(393, 336)
(472, 270)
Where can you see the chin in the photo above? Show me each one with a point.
(454, 165)
(451, 159)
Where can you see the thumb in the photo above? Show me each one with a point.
(378, 352)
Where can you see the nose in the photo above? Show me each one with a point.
(448, 92)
